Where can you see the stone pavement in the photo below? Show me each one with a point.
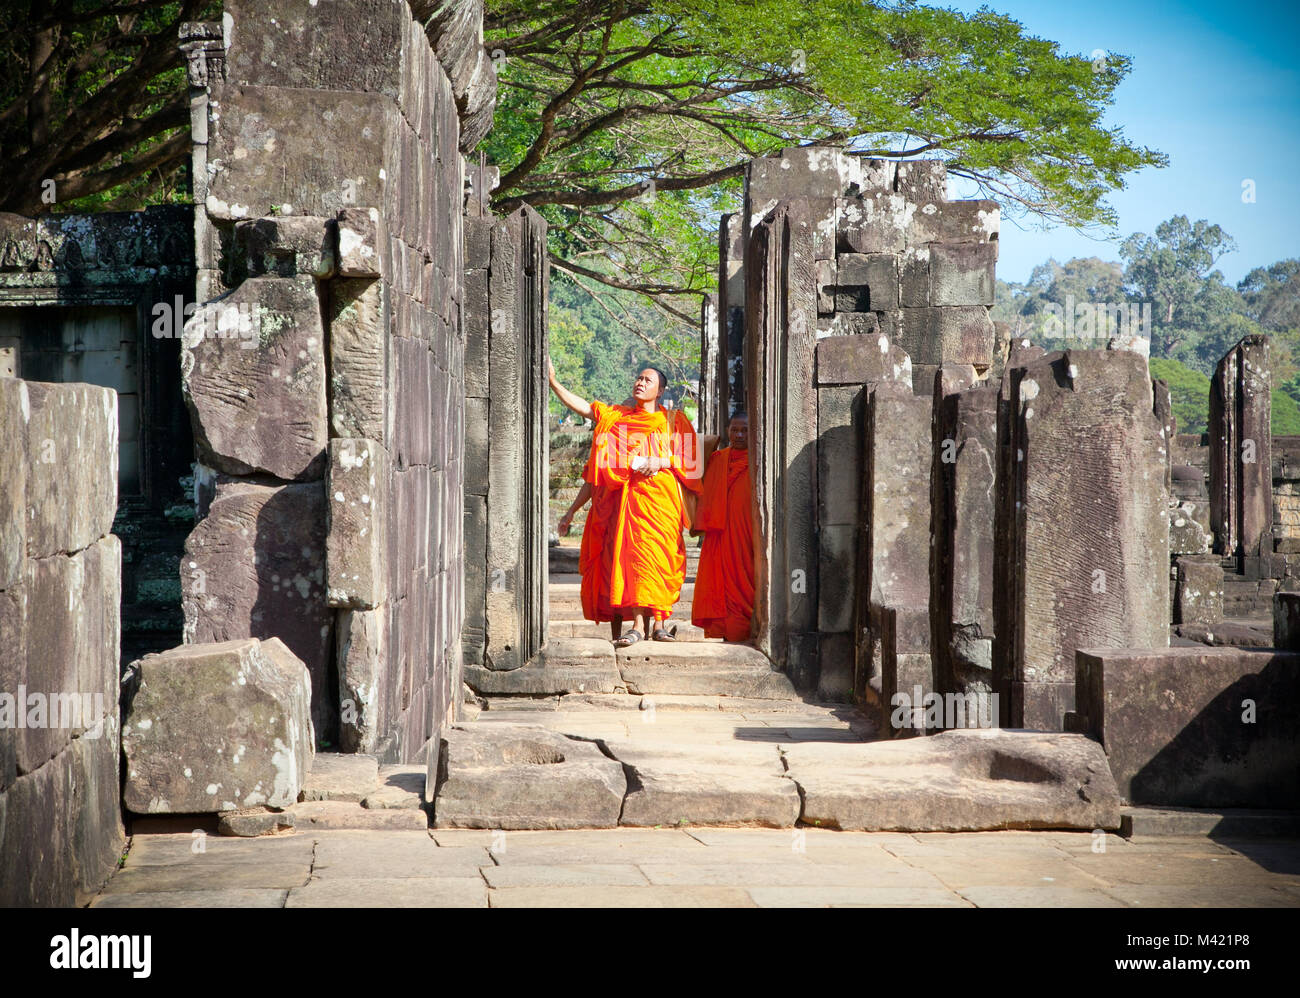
(692, 867)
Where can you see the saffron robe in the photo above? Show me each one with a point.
(632, 551)
(724, 585)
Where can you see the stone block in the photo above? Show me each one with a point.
(866, 282)
(922, 181)
(71, 443)
(962, 273)
(1083, 559)
(839, 457)
(56, 643)
(340, 777)
(837, 551)
(35, 840)
(282, 46)
(97, 835)
(288, 246)
(255, 568)
(357, 359)
(898, 489)
(734, 785)
(507, 776)
(877, 222)
(356, 488)
(358, 239)
(253, 370)
(13, 670)
(1199, 595)
(218, 727)
(858, 360)
(1195, 727)
(827, 280)
(363, 677)
(15, 404)
(257, 159)
(1286, 621)
(961, 780)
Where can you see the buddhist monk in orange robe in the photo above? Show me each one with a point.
(643, 460)
(724, 584)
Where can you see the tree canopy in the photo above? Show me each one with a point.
(628, 124)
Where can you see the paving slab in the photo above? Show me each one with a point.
(201, 876)
(867, 897)
(788, 873)
(181, 849)
(374, 854)
(1190, 896)
(340, 777)
(218, 898)
(391, 892)
(575, 875)
(622, 897)
(1039, 897)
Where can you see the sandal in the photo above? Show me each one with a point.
(663, 635)
(630, 638)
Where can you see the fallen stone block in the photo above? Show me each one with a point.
(217, 727)
(706, 785)
(336, 776)
(511, 776)
(961, 780)
(1196, 727)
(706, 669)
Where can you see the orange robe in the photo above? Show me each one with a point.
(632, 551)
(724, 585)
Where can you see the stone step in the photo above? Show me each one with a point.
(1184, 822)
(593, 665)
(702, 668)
(590, 629)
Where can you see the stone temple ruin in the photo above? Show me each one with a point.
(284, 457)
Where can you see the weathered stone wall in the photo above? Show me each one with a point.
(507, 474)
(838, 249)
(329, 139)
(60, 588)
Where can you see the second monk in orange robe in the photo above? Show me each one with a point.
(724, 585)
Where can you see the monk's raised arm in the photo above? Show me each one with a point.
(579, 405)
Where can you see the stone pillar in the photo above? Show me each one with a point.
(709, 422)
(60, 592)
(731, 319)
(1083, 543)
(964, 473)
(1241, 483)
(780, 320)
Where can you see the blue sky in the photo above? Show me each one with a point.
(1213, 85)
